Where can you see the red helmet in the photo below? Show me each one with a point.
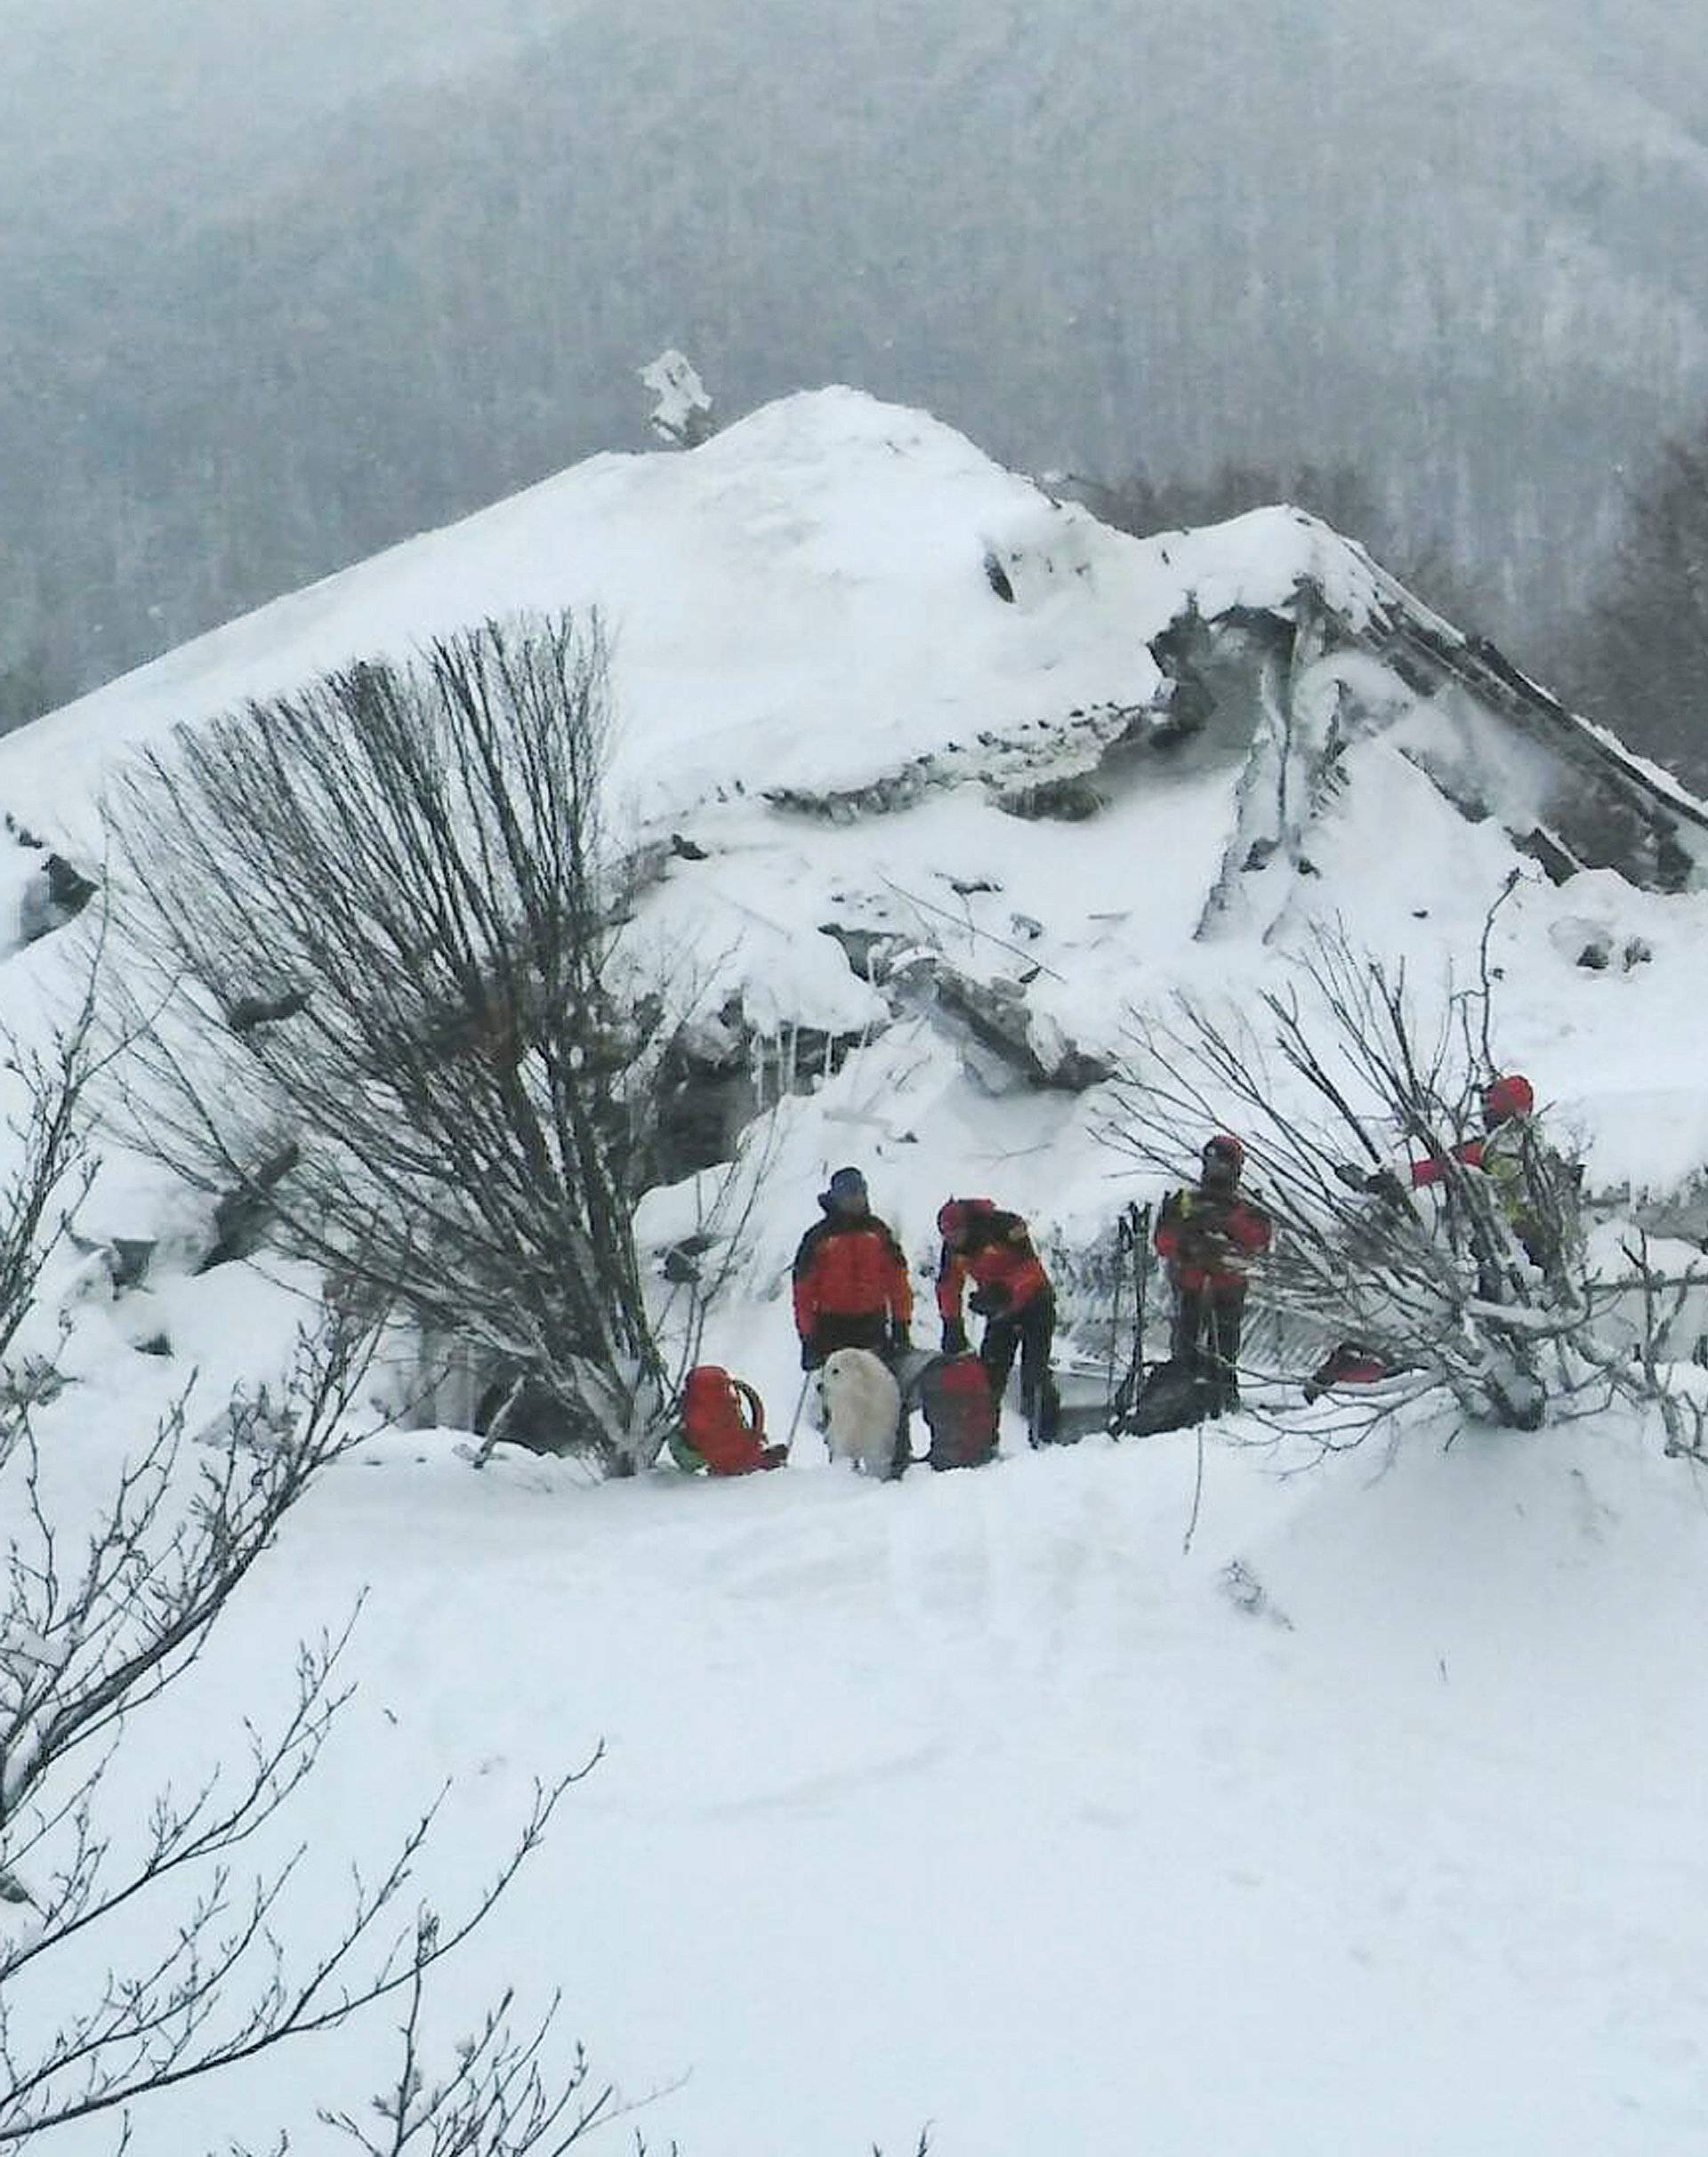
(953, 1217)
(1225, 1151)
(1511, 1096)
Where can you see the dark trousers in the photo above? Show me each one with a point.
(1027, 1333)
(833, 1330)
(1206, 1335)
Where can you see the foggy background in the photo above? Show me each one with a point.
(282, 283)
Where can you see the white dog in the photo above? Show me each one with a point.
(861, 1406)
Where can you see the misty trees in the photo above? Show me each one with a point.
(367, 940)
(30, 685)
(1642, 658)
(1341, 494)
(1139, 504)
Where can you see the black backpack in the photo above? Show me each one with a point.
(1172, 1398)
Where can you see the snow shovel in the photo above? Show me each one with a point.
(800, 1402)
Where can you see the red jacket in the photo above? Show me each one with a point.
(998, 1257)
(850, 1269)
(1432, 1169)
(1209, 1238)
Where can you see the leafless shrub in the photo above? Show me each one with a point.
(140, 1953)
(1329, 1078)
(1641, 1363)
(496, 2098)
(370, 955)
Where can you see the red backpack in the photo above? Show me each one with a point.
(723, 1424)
(959, 1411)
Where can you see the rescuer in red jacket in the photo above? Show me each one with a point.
(1011, 1293)
(1209, 1234)
(1507, 1102)
(1533, 1184)
(851, 1288)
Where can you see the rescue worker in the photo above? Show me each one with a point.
(851, 1288)
(1209, 1234)
(1532, 1185)
(1011, 1294)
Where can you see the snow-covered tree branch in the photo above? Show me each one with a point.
(370, 938)
(1346, 1098)
(144, 1947)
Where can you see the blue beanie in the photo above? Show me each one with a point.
(847, 1184)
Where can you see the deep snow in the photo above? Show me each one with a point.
(974, 1801)
(1368, 1822)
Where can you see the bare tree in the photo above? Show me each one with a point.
(137, 1953)
(1638, 1353)
(496, 2098)
(1324, 1079)
(370, 949)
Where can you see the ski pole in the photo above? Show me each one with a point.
(1122, 1239)
(1137, 1229)
(1141, 1285)
(800, 1402)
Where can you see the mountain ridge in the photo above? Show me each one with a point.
(1347, 242)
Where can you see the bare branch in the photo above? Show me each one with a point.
(371, 939)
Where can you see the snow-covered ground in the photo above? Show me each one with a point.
(1368, 1822)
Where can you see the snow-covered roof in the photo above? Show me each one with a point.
(804, 599)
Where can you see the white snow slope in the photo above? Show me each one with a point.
(1367, 1822)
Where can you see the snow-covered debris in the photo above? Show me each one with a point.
(838, 741)
(682, 415)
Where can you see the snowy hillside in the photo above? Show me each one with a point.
(818, 682)
(1130, 1798)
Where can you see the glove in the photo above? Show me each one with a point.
(988, 1302)
(901, 1339)
(955, 1337)
(1387, 1187)
(811, 1355)
(1352, 1176)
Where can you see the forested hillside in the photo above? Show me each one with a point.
(273, 293)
